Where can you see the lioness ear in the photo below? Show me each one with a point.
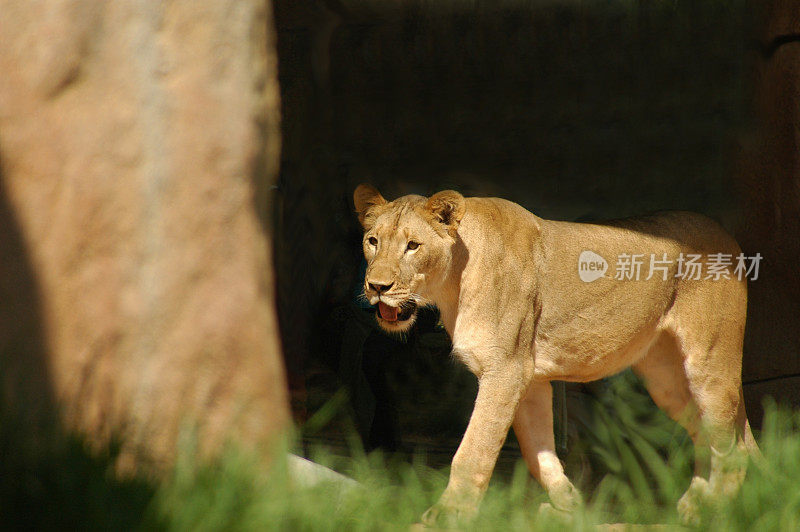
(366, 198)
(448, 207)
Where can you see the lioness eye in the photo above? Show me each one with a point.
(413, 245)
(373, 241)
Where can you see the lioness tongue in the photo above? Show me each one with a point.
(388, 313)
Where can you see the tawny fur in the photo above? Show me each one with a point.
(506, 283)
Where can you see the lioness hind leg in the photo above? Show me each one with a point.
(719, 400)
(533, 426)
(718, 406)
(664, 376)
(713, 370)
(663, 370)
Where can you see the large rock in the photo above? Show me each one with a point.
(138, 141)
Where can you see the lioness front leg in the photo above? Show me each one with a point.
(499, 393)
(533, 426)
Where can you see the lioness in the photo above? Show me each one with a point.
(511, 296)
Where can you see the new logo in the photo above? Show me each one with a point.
(591, 266)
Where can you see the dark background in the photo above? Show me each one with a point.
(575, 110)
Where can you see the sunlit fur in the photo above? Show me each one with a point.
(390, 261)
(507, 286)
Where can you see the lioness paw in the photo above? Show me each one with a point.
(441, 515)
(565, 496)
(691, 502)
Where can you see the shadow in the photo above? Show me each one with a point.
(572, 110)
(564, 109)
(24, 376)
(48, 479)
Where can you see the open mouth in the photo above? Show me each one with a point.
(397, 314)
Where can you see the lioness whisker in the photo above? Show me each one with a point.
(362, 296)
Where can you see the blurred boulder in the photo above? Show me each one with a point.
(138, 144)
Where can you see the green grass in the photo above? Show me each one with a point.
(641, 466)
(639, 487)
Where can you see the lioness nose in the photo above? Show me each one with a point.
(380, 287)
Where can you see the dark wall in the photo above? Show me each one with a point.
(576, 111)
(769, 181)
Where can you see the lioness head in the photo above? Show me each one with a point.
(408, 244)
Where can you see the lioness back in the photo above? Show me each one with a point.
(608, 323)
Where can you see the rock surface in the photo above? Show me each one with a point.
(137, 145)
